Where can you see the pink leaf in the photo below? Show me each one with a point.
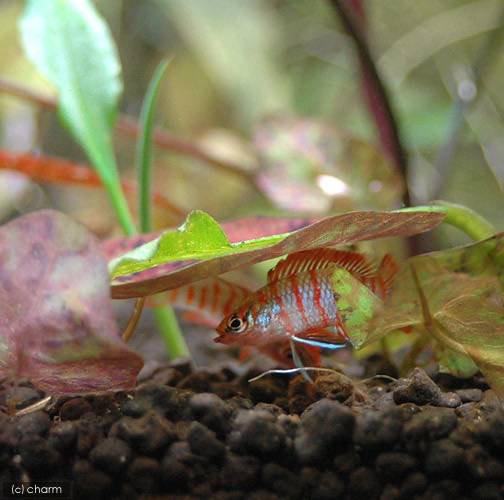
(56, 323)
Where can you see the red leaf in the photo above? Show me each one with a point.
(56, 323)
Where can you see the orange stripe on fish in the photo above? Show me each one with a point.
(203, 297)
(216, 296)
(190, 294)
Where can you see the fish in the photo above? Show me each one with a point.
(206, 302)
(299, 300)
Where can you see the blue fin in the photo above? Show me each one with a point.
(319, 343)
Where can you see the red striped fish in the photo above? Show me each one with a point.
(206, 302)
(299, 301)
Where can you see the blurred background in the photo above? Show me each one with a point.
(266, 108)
(273, 90)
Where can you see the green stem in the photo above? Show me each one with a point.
(170, 331)
(116, 196)
(144, 148)
(463, 218)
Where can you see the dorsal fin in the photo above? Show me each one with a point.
(321, 258)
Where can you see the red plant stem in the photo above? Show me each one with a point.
(374, 90)
(129, 127)
(56, 170)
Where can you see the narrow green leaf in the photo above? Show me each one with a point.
(144, 148)
(71, 46)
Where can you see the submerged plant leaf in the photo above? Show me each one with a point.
(456, 297)
(454, 362)
(247, 228)
(308, 165)
(72, 47)
(56, 322)
(199, 237)
(220, 256)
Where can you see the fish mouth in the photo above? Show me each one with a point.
(221, 339)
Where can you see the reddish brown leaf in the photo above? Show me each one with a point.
(336, 230)
(56, 321)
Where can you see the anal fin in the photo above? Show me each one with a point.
(327, 338)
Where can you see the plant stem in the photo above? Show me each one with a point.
(463, 218)
(116, 196)
(171, 333)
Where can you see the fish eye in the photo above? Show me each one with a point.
(236, 324)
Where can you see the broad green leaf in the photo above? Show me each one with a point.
(456, 297)
(199, 237)
(72, 47)
(57, 326)
(308, 165)
(168, 262)
(246, 228)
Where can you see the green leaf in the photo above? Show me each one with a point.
(151, 268)
(71, 46)
(455, 363)
(144, 147)
(200, 237)
(456, 297)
